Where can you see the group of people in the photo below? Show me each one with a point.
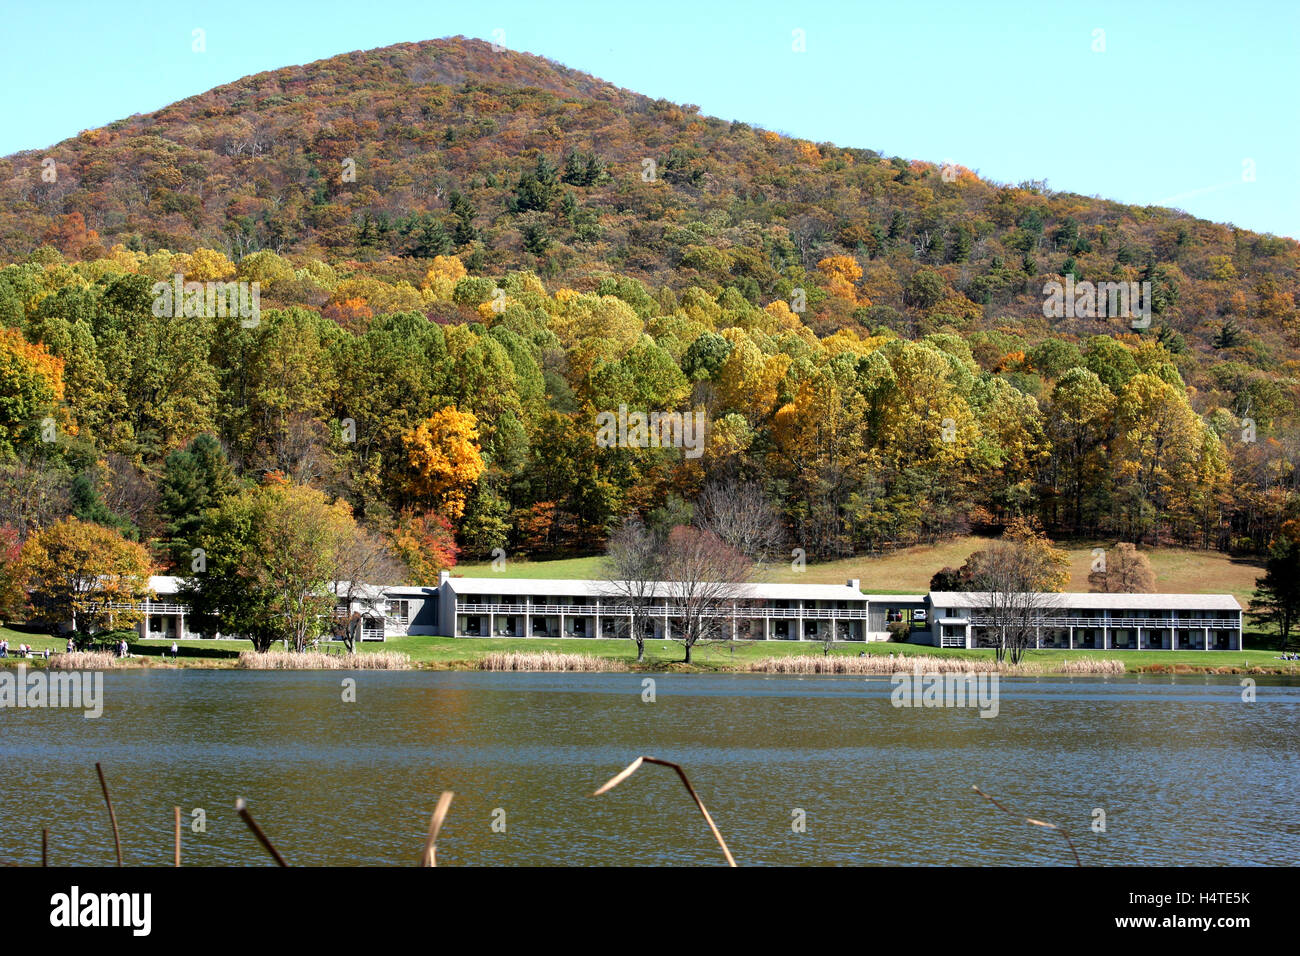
(22, 650)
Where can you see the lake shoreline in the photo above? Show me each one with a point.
(937, 662)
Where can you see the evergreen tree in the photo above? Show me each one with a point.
(194, 480)
(536, 190)
(463, 232)
(429, 239)
(1277, 593)
(87, 504)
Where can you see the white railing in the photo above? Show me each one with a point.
(590, 610)
(152, 607)
(1119, 622)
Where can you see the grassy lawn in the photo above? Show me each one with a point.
(664, 655)
(908, 571)
(562, 568)
(661, 654)
(194, 653)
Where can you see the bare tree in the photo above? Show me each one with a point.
(703, 577)
(743, 517)
(128, 492)
(1005, 577)
(363, 565)
(32, 495)
(633, 565)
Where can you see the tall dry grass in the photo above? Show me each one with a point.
(545, 661)
(1087, 665)
(929, 663)
(312, 661)
(83, 660)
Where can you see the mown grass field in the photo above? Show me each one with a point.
(443, 652)
(724, 655)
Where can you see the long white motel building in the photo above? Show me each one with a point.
(517, 607)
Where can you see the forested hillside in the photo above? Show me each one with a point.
(465, 256)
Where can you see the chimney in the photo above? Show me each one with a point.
(855, 583)
(443, 577)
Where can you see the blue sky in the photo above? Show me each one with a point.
(1182, 97)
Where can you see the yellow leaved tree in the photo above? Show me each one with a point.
(445, 460)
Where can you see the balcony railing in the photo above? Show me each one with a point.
(980, 620)
(152, 607)
(590, 610)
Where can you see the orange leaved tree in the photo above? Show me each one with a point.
(81, 574)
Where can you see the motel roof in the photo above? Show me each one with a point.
(163, 584)
(1088, 600)
(605, 589)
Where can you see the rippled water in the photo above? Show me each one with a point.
(1186, 773)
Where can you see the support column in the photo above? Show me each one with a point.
(1071, 637)
(767, 628)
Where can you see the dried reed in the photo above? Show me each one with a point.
(632, 768)
(1032, 822)
(312, 661)
(435, 824)
(546, 661)
(112, 817)
(241, 807)
(929, 663)
(82, 660)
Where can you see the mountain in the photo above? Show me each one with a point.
(515, 161)
(468, 259)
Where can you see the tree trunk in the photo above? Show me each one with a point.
(688, 652)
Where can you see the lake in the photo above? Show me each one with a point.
(1186, 772)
